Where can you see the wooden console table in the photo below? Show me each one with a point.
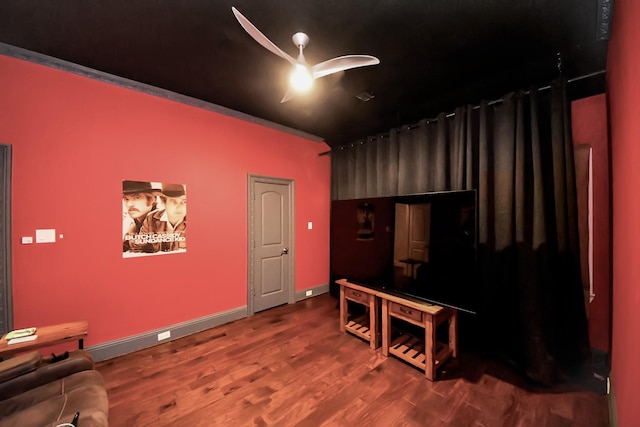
(425, 352)
(365, 326)
(48, 336)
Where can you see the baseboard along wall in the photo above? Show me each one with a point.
(148, 339)
(315, 291)
(126, 345)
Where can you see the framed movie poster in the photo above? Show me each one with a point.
(154, 218)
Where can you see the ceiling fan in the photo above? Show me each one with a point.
(303, 75)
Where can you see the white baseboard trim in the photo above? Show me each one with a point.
(315, 291)
(111, 349)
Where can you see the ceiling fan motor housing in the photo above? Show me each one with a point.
(300, 40)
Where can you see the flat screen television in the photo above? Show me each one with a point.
(423, 246)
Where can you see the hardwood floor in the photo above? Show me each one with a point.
(290, 366)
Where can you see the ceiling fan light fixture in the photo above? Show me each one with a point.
(301, 79)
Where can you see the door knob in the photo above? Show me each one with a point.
(284, 251)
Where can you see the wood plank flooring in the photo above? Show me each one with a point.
(291, 366)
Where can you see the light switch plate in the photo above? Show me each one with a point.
(46, 236)
(27, 240)
(310, 225)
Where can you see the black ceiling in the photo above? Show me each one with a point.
(435, 54)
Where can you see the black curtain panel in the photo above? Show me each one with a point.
(518, 154)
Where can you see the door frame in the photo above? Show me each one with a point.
(6, 297)
(252, 180)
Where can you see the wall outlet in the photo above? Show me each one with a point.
(309, 293)
(164, 335)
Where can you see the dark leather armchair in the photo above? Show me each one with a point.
(44, 392)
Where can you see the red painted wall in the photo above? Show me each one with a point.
(75, 139)
(589, 126)
(624, 112)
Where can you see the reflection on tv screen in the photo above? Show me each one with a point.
(421, 246)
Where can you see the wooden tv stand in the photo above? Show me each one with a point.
(365, 326)
(423, 352)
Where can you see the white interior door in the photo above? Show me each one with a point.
(271, 275)
(419, 231)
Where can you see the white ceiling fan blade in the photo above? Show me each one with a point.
(342, 63)
(259, 37)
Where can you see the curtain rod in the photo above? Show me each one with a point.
(574, 79)
(475, 107)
